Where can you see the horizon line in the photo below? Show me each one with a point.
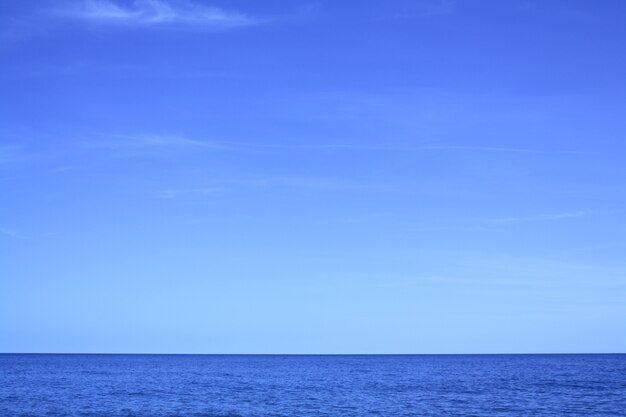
(310, 354)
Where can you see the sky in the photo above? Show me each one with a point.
(423, 176)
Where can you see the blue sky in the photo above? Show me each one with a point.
(431, 176)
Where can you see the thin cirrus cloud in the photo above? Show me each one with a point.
(8, 154)
(425, 9)
(315, 184)
(133, 141)
(138, 142)
(11, 233)
(151, 141)
(539, 218)
(156, 12)
(476, 224)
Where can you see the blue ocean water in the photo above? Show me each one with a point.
(294, 385)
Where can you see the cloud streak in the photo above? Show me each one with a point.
(7, 154)
(135, 142)
(538, 218)
(393, 148)
(13, 234)
(157, 12)
(481, 224)
(426, 9)
(172, 193)
(307, 184)
(118, 142)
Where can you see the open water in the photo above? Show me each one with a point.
(302, 386)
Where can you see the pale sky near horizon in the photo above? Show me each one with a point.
(282, 176)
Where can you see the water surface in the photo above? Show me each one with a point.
(286, 385)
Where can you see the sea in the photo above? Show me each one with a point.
(312, 385)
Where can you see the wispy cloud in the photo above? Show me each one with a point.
(306, 184)
(135, 142)
(172, 193)
(11, 233)
(7, 154)
(395, 148)
(112, 69)
(426, 9)
(149, 140)
(477, 149)
(539, 218)
(156, 12)
(157, 140)
(486, 223)
(508, 150)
